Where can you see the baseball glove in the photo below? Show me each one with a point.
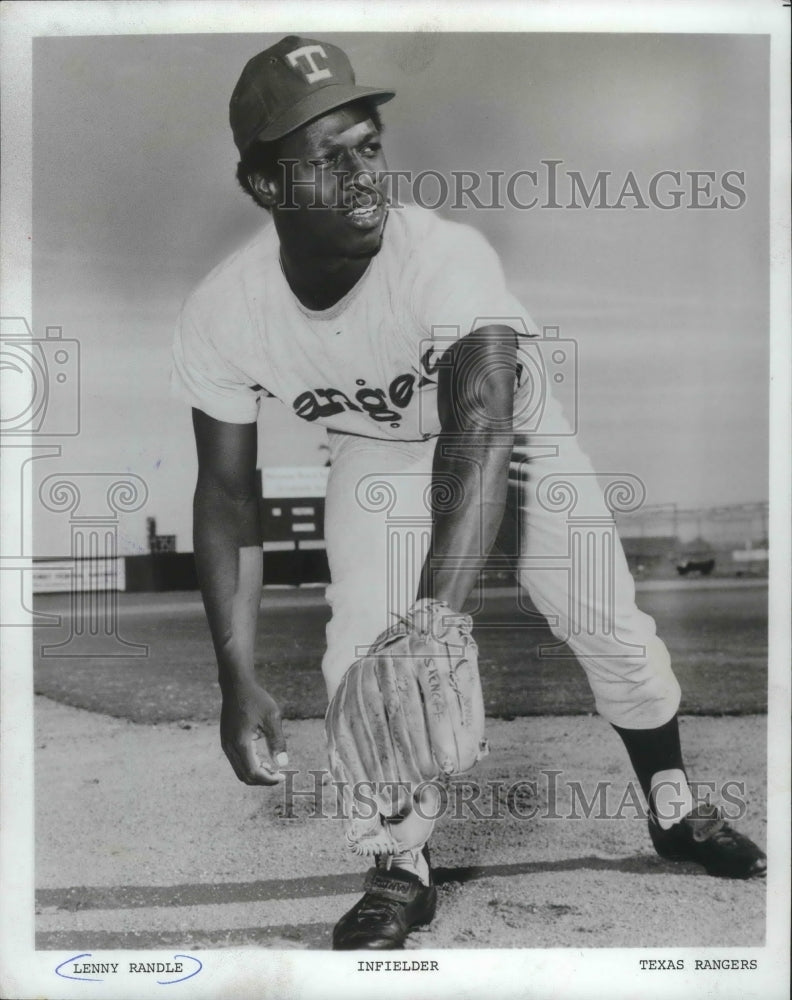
(407, 713)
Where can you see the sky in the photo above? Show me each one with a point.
(135, 200)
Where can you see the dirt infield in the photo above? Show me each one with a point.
(144, 839)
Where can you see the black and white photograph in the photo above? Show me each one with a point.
(396, 491)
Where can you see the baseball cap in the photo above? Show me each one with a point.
(289, 84)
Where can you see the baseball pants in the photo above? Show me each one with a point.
(558, 537)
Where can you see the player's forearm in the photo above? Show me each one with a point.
(229, 562)
(470, 480)
(471, 463)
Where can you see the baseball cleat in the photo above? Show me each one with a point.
(394, 903)
(705, 837)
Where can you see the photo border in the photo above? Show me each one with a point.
(607, 972)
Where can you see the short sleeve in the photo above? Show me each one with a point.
(208, 381)
(459, 285)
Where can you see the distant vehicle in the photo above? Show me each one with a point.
(701, 566)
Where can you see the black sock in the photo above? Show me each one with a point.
(653, 750)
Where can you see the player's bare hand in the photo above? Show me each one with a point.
(251, 734)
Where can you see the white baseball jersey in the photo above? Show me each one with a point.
(365, 366)
(367, 370)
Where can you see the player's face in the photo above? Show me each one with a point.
(336, 187)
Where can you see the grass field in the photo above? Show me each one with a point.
(717, 639)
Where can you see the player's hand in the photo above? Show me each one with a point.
(251, 734)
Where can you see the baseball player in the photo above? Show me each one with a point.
(393, 328)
